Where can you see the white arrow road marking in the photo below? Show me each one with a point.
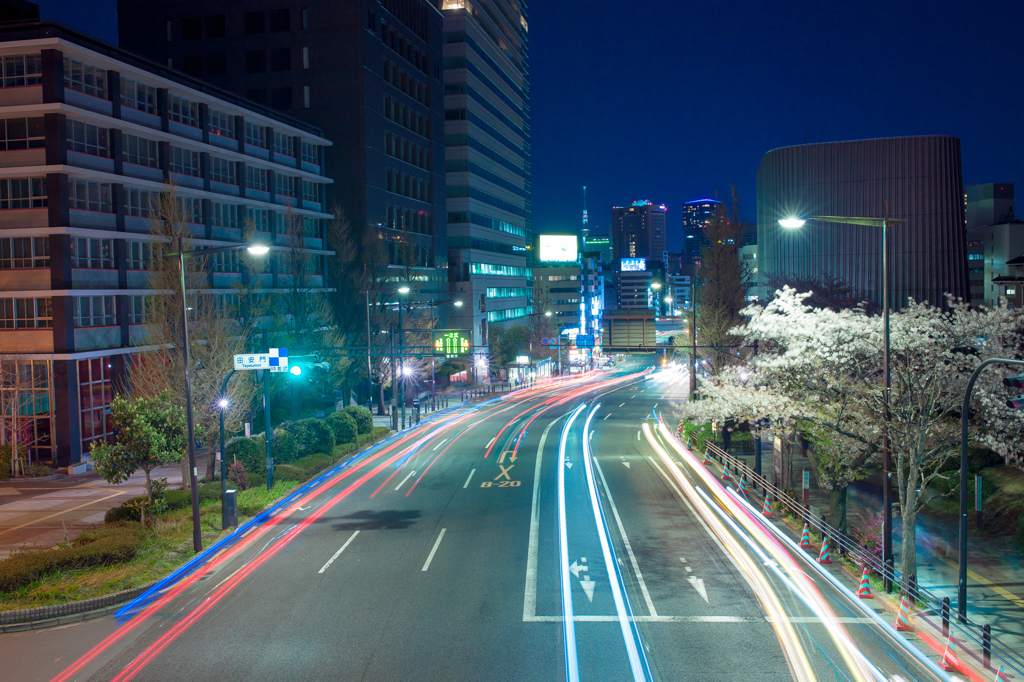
(530, 593)
(626, 464)
(568, 464)
(698, 584)
(468, 478)
(411, 474)
(575, 568)
(437, 543)
(338, 553)
(588, 586)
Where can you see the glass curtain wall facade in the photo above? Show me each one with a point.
(487, 161)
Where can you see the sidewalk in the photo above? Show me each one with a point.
(41, 514)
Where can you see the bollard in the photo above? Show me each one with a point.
(888, 572)
(986, 645)
(230, 503)
(945, 616)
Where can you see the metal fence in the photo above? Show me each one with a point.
(968, 631)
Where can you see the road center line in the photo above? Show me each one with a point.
(625, 541)
(338, 553)
(439, 445)
(622, 404)
(411, 474)
(606, 416)
(468, 478)
(437, 543)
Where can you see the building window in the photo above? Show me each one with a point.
(95, 311)
(140, 309)
(143, 255)
(216, 26)
(138, 95)
(138, 202)
(305, 19)
(259, 217)
(305, 97)
(95, 394)
(91, 80)
(283, 145)
(24, 253)
(191, 28)
(256, 178)
(26, 313)
(89, 195)
(190, 210)
(281, 59)
(226, 261)
(185, 161)
(88, 139)
(279, 21)
(256, 135)
(311, 191)
(284, 185)
(21, 69)
(22, 133)
(193, 65)
(305, 58)
(222, 124)
(254, 24)
(22, 193)
(183, 111)
(140, 151)
(227, 215)
(222, 170)
(310, 153)
(92, 254)
(313, 228)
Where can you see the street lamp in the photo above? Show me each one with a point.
(547, 313)
(795, 223)
(398, 390)
(256, 250)
(457, 304)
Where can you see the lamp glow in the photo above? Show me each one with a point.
(296, 370)
(457, 304)
(258, 249)
(403, 290)
(547, 313)
(656, 285)
(223, 402)
(792, 223)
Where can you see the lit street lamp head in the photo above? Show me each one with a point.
(792, 223)
(656, 285)
(258, 249)
(547, 313)
(457, 304)
(403, 290)
(223, 403)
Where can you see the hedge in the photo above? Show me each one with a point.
(283, 447)
(101, 547)
(249, 451)
(311, 436)
(363, 417)
(344, 427)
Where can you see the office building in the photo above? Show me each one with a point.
(989, 204)
(487, 138)
(557, 287)
(367, 73)
(638, 231)
(1011, 285)
(92, 134)
(918, 178)
(697, 215)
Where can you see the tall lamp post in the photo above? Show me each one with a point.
(256, 250)
(796, 223)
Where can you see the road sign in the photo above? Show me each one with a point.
(276, 360)
(451, 342)
(584, 340)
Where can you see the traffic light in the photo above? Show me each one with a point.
(312, 369)
(1018, 383)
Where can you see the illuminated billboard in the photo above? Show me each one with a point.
(561, 248)
(633, 264)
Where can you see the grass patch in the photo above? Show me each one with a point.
(168, 543)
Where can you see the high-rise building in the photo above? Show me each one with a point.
(487, 158)
(367, 72)
(989, 204)
(918, 178)
(638, 231)
(93, 135)
(697, 215)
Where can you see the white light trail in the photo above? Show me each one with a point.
(572, 664)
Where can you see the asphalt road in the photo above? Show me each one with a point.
(457, 550)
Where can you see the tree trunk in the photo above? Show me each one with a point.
(837, 508)
(149, 490)
(380, 399)
(185, 479)
(908, 546)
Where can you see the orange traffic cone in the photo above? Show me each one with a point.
(805, 537)
(865, 588)
(823, 557)
(705, 457)
(743, 485)
(1001, 675)
(725, 474)
(949, 660)
(767, 511)
(901, 618)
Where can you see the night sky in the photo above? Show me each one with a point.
(674, 100)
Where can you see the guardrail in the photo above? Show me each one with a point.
(968, 631)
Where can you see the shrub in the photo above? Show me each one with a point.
(249, 451)
(101, 547)
(311, 435)
(363, 417)
(209, 492)
(283, 447)
(344, 426)
(237, 475)
(129, 511)
(1020, 532)
(178, 499)
(5, 459)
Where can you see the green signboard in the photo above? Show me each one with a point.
(451, 342)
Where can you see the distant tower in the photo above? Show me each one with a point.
(586, 230)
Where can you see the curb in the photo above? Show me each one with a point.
(42, 617)
(33, 479)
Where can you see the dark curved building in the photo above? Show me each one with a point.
(919, 177)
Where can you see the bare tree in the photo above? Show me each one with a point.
(18, 374)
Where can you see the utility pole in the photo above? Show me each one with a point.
(693, 338)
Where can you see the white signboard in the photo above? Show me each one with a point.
(562, 248)
(276, 360)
